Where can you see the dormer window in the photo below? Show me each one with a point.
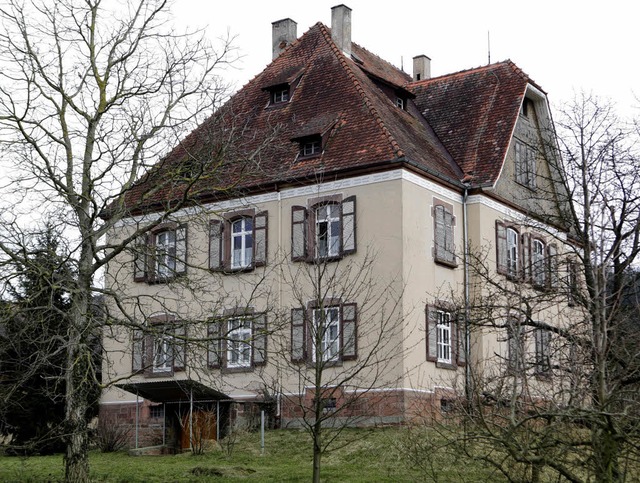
(400, 102)
(280, 95)
(526, 110)
(310, 146)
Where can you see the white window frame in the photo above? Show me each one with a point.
(327, 230)
(310, 148)
(538, 267)
(163, 353)
(281, 96)
(244, 257)
(444, 332)
(239, 348)
(513, 245)
(400, 102)
(165, 248)
(326, 330)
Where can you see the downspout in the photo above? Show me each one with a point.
(468, 389)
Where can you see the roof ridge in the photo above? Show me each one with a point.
(383, 60)
(466, 71)
(343, 61)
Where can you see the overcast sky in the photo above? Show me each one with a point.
(563, 45)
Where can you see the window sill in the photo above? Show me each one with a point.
(445, 263)
(446, 365)
(237, 370)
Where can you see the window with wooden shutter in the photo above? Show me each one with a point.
(179, 347)
(538, 263)
(260, 231)
(432, 334)
(298, 335)
(515, 345)
(259, 334)
(542, 351)
(181, 250)
(444, 249)
(349, 332)
(140, 259)
(501, 248)
(553, 265)
(526, 257)
(214, 352)
(349, 225)
(298, 233)
(215, 245)
(462, 340)
(137, 350)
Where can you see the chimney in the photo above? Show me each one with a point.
(421, 67)
(283, 33)
(341, 28)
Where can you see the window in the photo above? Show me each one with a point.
(400, 102)
(242, 242)
(159, 349)
(237, 341)
(526, 110)
(525, 161)
(310, 146)
(156, 412)
(515, 345)
(538, 263)
(329, 331)
(445, 338)
(443, 328)
(444, 250)
(552, 265)
(324, 231)
(325, 334)
(543, 351)
(508, 250)
(327, 230)
(280, 94)
(238, 242)
(161, 255)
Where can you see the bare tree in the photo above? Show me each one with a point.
(91, 94)
(557, 399)
(344, 340)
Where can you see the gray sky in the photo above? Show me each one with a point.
(564, 45)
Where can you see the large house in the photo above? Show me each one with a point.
(335, 202)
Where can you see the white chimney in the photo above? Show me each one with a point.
(341, 28)
(421, 67)
(283, 33)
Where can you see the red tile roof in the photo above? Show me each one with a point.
(474, 112)
(467, 124)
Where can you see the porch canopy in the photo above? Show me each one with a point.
(170, 391)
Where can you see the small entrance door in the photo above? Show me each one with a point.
(204, 429)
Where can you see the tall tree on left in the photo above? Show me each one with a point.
(33, 322)
(91, 94)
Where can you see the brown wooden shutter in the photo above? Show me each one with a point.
(215, 245)
(214, 333)
(449, 248)
(298, 233)
(260, 246)
(259, 335)
(147, 355)
(140, 258)
(501, 248)
(525, 256)
(349, 225)
(181, 250)
(298, 329)
(462, 340)
(137, 350)
(432, 333)
(439, 235)
(349, 332)
(552, 265)
(179, 347)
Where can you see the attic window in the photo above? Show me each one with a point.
(280, 95)
(527, 108)
(400, 102)
(310, 146)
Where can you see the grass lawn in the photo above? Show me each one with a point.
(365, 455)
